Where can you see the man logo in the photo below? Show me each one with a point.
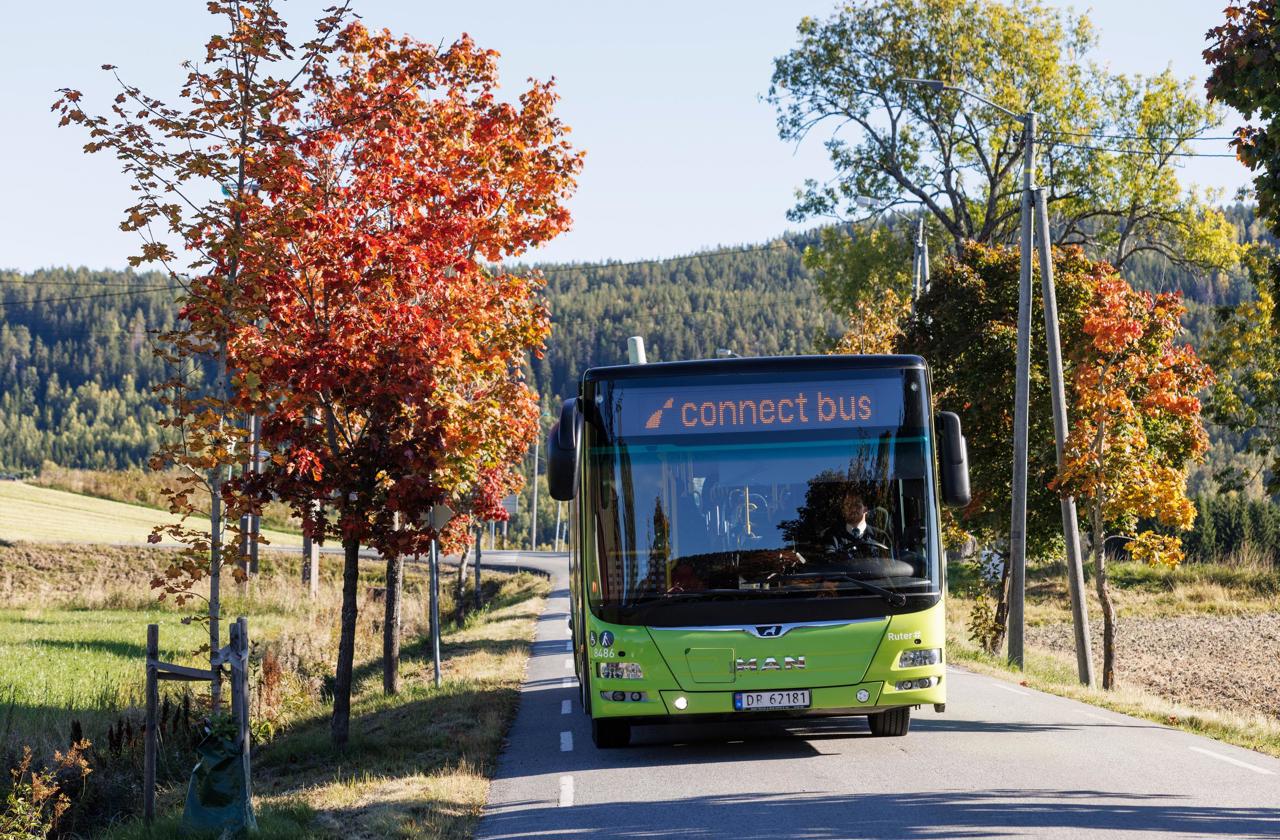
(655, 419)
(768, 631)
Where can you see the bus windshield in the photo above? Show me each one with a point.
(751, 489)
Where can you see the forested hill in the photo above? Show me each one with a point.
(76, 367)
(755, 301)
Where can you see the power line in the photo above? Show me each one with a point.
(1103, 136)
(1147, 152)
(30, 283)
(42, 301)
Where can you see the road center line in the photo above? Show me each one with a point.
(566, 791)
(1011, 689)
(565, 706)
(1237, 762)
(566, 742)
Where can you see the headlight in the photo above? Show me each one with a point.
(916, 658)
(619, 671)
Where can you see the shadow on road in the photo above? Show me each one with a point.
(938, 814)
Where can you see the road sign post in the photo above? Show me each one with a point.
(437, 519)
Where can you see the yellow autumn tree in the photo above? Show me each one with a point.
(1136, 427)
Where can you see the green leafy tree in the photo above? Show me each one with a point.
(896, 144)
(1245, 351)
(966, 326)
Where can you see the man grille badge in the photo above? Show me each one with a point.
(766, 631)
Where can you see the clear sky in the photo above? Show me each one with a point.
(663, 95)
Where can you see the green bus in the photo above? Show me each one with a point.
(757, 537)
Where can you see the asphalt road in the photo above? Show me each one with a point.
(1002, 761)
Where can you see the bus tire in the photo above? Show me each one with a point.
(893, 723)
(610, 734)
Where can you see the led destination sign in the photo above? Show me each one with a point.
(760, 407)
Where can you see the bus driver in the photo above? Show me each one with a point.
(855, 536)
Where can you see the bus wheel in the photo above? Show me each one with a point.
(893, 722)
(609, 734)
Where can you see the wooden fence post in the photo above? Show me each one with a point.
(240, 680)
(479, 540)
(151, 739)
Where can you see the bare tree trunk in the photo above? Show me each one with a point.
(1002, 609)
(215, 586)
(1104, 597)
(340, 726)
(391, 626)
(460, 587)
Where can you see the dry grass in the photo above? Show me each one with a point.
(41, 514)
(417, 763)
(141, 487)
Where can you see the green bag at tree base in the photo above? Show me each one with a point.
(218, 795)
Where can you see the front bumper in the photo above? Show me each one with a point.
(830, 700)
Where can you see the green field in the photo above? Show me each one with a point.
(57, 664)
(40, 514)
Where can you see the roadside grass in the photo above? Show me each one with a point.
(72, 632)
(1143, 591)
(418, 763)
(1140, 592)
(42, 514)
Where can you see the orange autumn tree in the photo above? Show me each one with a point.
(1136, 427)
(386, 366)
(195, 165)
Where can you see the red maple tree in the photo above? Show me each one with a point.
(386, 362)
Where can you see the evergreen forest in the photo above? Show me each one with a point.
(77, 367)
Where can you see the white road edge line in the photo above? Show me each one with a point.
(1229, 760)
(566, 742)
(1011, 689)
(565, 706)
(1097, 717)
(566, 791)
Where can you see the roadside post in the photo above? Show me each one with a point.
(437, 519)
(1034, 212)
(479, 557)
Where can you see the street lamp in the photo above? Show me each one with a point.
(1034, 210)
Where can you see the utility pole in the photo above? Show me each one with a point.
(1070, 527)
(919, 264)
(1021, 390)
(533, 510)
(1033, 205)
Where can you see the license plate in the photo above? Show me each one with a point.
(753, 701)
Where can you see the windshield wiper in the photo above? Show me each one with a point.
(895, 599)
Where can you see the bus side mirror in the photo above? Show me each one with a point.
(954, 460)
(562, 452)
